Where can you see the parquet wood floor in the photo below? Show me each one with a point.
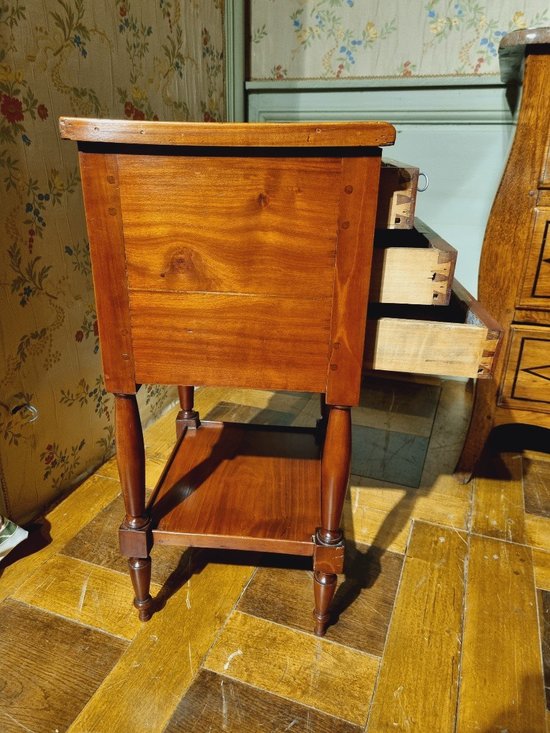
(443, 614)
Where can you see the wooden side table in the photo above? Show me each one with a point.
(233, 255)
(514, 278)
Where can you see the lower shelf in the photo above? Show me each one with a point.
(241, 487)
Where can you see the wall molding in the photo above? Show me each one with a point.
(449, 105)
(390, 82)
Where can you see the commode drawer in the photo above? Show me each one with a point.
(527, 379)
(412, 266)
(460, 340)
(535, 288)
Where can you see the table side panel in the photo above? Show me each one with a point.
(100, 186)
(231, 340)
(228, 224)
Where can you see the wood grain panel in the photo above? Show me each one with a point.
(502, 683)
(217, 703)
(243, 487)
(230, 340)
(143, 690)
(100, 189)
(85, 593)
(231, 225)
(51, 667)
(418, 683)
(300, 667)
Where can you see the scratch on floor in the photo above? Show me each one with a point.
(224, 707)
(231, 657)
(20, 725)
(83, 593)
(190, 658)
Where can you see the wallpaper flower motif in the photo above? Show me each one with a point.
(111, 58)
(333, 39)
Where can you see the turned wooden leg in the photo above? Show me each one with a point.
(140, 574)
(329, 544)
(324, 586)
(187, 416)
(135, 532)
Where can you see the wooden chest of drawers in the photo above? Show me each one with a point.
(514, 280)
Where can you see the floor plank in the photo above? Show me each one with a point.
(537, 531)
(300, 667)
(85, 593)
(218, 703)
(502, 686)
(53, 667)
(97, 543)
(362, 605)
(447, 503)
(363, 525)
(543, 598)
(418, 683)
(66, 519)
(143, 690)
(541, 562)
(536, 486)
(498, 509)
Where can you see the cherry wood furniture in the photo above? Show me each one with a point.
(233, 255)
(514, 278)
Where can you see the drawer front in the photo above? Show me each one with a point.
(396, 195)
(413, 266)
(535, 290)
(462, 343)
(527, 379)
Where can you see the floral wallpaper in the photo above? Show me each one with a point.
(160, 59)
(338, 39)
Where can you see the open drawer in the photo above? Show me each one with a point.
(396, 195)
(461, 340)
(413, 266)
